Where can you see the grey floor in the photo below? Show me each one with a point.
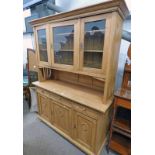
(39, 139)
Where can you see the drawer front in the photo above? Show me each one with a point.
(55, 97)
(86, 111)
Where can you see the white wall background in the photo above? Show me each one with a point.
(73, 4)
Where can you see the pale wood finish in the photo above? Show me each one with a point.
(67, 70)
(72, 99)
(75, 49)
(80, 94)
(79, 79)
(113, 54)
(92, 19)
(42, 63)
(84, 130)
(62, 117)
(83, 126)
(44, 107)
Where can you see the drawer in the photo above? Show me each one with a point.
(43, 92)
(55, 97)
(86, 111)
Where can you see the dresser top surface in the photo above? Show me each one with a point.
(83, 95)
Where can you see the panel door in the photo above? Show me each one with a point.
(84, 130)
(62, 117)
(92, 46)
(64, 38)
(42, 45)
(44, 107)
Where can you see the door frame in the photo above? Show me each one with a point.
(46, 27)
(105, 17)
(76, 44)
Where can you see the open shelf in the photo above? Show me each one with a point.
(66, 50)
(93, 50)
(120, 144)
(122, 124)
(122, 132)
(61, 34)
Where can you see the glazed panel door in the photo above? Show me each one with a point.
(64, 44)
(42, 45)
(84, 130)
(92, 46)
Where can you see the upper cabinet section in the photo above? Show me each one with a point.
(82, 41)
(42, 45)
(63, 44)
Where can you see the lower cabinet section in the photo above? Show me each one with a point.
(81, 124)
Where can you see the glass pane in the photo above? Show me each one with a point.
(94, 43)
(93, 59)
(42, 45)
(63, 38)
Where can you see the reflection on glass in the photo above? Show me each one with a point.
(63, 38)
(42, 45)
(93, 44)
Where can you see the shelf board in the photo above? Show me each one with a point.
(61, 34)
(42, 49)
(122, 124)
(120, 144)
(93, 51)
(81, 94)
(101, 30)
(65, 50)
(121, 132)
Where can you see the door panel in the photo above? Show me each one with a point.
(64, 43)
(62, 117)
(93, 33)
(84, 130)
(42, 43)
(44, 107)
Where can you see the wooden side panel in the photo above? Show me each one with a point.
(113, 47)
(102, 128)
